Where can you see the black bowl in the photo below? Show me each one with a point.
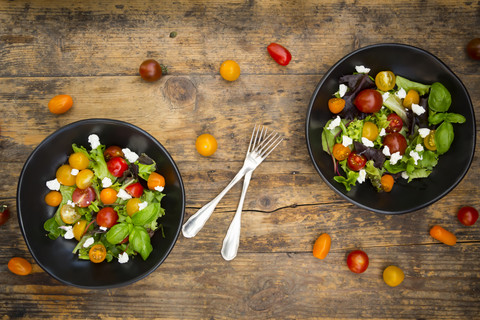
(55, 256)
(417, 65)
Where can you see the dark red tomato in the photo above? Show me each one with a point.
(4, 214)
(368, 101)
(107, 217)
(150, 70)
(395, 143)
(468, 216)
(135, 190)
(395, 123)
(279, 53)
(117, 166)
(357, 261)
(473, 49)
(112, 152)
(356, 161)
(83, 197)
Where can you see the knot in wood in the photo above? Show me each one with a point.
(181, 92)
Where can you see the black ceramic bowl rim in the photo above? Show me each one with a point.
(309, 115)
(112, 122)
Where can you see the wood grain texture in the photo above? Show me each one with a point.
(92, 50)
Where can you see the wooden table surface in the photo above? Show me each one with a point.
(91, 50)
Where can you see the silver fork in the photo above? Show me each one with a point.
(258, 149)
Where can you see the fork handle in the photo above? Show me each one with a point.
(232, 238)
(198, 220)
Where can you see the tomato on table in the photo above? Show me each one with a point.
(368, 101)
(155, 180)
(356, 161)
(385, 80)
(230, 70)
(467, 215)
(117, 166)
(107, 217)
(395, 123)
(206, 144)
(357, 261)
(112, 152)
(97, 253)
(393, 276)
(83, 197)
(473, 48)
(279, 53)
(395, 142)
(4, 214)
(322, 246)
(60, 104)
(150, 70)
(19, 266)
(135, 189)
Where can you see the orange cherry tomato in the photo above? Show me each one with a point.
(64, 175)
(97, 253)
(19, 266)
(79, 229)
(387, 182)
(53, 198)
(78, 160)
(206, 144)
(443, 235)
(60, 104)
(336, 105)
(108, 196)
(411, 98)
(322, 246)
(155, 180)
(230, 70)
(340, 152)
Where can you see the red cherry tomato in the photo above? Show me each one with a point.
(395, 123)
(107, 217)
(117, 166)
(356, 161)
(357, 261)
(368, 101)
(473, 49)
(468, 216)
(279, 53)
(83, 197)
(135, 190)
(112, 152)
(395, 142)
(4, 213)
(150, 70)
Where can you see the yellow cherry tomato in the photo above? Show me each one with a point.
(411, 98)
(429, 141)
(393, 276)
(69, 214)
(78, 160)
(230, 70)
(385, 80)
(206, 144)
(53, 198)
(97, 253)
(370, 131)
(79, 229)
(132, 206)
(84, 178)
(64, 175)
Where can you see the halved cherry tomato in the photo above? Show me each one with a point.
(107, 217)
(368, 101)
(395, 123)
(467, 215)
(429, 141)
(108, 196)
(69, 214)
(279, 53)
(411, 98)
(19, 266)
(155, 180)
(357, 261)
(60, 104)
(387, 182)
(385, 80)
(322, 246)
(230, 70)
(356, 161)
(78, 160)
(97, 253)
(117, 166)
(64, 175)
(83, 197)
(370, 131)
(112, 152)
(79, 229)
(340, 152)
(53, 198)
(135, 189)
(395, 142)
(336, 105)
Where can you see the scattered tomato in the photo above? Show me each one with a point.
(79, 229)
(387, 182)
(78, 160)
(135, 189)
(395, 142)
(279, 53)
(395, 123)
(230, 70)
(150, 70)
(385, 80)
(117, 166)
(107, 217)
(69, 214)
(340, 152)
(64, 175)
(53, 198)
(370, 131)
(108, 196)
(393, 276)
(443, 235)
(336, 105)
(357, 261)
(19, 266)
(4, 214)
(473, 48)
(368, 101)
(356, 161)
(83, 197)
(206, 144)
(60, 104)
(155, 180)
(467, 216)
(97, 253)
(322, 246)
(112, 152)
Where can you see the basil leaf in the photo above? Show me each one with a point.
(52, 227)
(117, 233)
(444, 137)
(455, 118)
(146, 215)
(436, 118)
(439, 99)
(140, 241)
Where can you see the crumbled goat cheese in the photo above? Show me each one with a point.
(419, 148)
(53, 185)
(335, 123)
(130, 155)
(405, 175)
(88, 242)
(94, 141)
(69, 233)
(142, 205)
(346, 141)
(362, 69)
(123, 258)
(367, 142)
(122, 194)
(106, 182)
(423, 132)
(385, 95)
(382, 132)
(71, 203)
(401, 93)
(361, 176)
(159, 188)
(103, 228)
(394, 158)
(415, 156)
(342, 89)
(386, 151)
(417, 109)
(74, 172)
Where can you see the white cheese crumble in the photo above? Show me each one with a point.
(335, 123)
(361, 176)
(342, 89)
(122, 194)
(130, 155)
(123, 258)
(53, 185)
(103, 228)
(401, 93)
(106, 182)
(415, 156)
(394, 158)
(423, 132)
(382, 132)
(69, 233)
(346, 140)
(142, 205)
(386, 151)
(159, 188)
(417, 109)
(367, 142)
(405, 175)
(71, 203)
(94, 141)
(74, 172)
(385, 95)
(419, 148)
(88, 242)
(362, 69)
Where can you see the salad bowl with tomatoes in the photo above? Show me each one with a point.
(396, 116)
(96, 213)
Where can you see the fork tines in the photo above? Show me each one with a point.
(263, 144)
